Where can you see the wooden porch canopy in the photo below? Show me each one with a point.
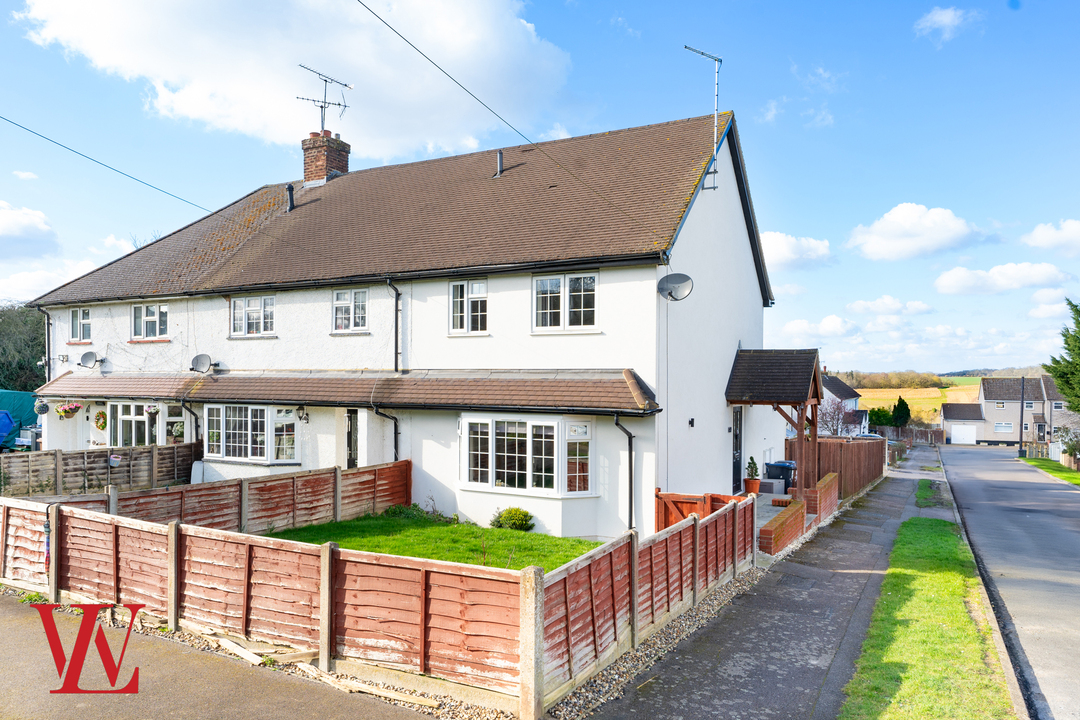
(783, 377)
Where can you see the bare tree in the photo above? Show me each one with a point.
(830, 415)
(139, 243)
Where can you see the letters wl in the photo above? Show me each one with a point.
(82, 646)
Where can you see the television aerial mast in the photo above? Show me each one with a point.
(716, 95)
(324, 103)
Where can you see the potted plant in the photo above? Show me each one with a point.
(752, 483)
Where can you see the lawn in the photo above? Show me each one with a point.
(424, 537)
(925, 400)
(1056, 469)
(924, 655)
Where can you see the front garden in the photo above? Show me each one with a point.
(412, 532)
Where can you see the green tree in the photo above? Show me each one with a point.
(22, 345)
(901, 413)
(1066, 369)
(880, 416)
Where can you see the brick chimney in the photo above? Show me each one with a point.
(324, 157)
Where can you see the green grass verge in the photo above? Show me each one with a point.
(924, 655)
(924, 496)
(1055, 468)
(434, 540)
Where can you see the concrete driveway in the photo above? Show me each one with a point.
(175, 681)
(1025, 530)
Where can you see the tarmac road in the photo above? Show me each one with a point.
(1025, 529)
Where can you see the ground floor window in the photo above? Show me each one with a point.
(1003, 427)
(547, 456)
(132, 424)
(251, 432)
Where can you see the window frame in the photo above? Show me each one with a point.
(551, 443)
(119, 414)
(565, 307)
(1058, 405)
(999, 405)
(139, 319)
(1029, 404)
(80, 325)
(473, 322)
(350, 304)
(256, 429)
(263, 330)
(1003, 427)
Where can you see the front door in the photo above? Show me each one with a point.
(736, 450)
(1040, 429)
(352, 445)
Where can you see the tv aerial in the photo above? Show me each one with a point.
(675, 286)
(716, 90)
(324, 103)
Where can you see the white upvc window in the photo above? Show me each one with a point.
(253, 433)
(1000, 405)
(132, 424)
(1003, 427)
(1026, 428)
(350, 311)
(1029, 405)
(1059, 405)
(80, 324)
(539, 456)
(149, 321)
(564, 302)
(468, 306)
(252, 316)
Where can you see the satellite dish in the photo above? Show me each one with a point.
(675, 286)
(90, 359)
(201, 363)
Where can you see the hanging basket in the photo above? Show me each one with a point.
(68, 414)
(41, 407)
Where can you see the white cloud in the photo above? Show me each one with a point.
(557, 132)
(25, 233)
(944, 331)
(1065, 237)
(887, 304)
(819, 78)
(1001, 278)
(236, 70)
(28, 284)
(789, 289)
(783, 250)
(1049, 310)
(885, 323)
(818, 118)
(771, 110)
(1048, 295)
(125, 246)
(910, 230)
(24, 175)
(623, 25)
(830, 326)
(944, 23)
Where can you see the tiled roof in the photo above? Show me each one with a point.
(840, 389)
(585, 392)
(1052, 392)
(624, 203)
(1038, 418)
(1009, 389)
(961, 411)
(768, 376)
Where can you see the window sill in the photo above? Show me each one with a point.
(347, 333)
(252, 337)
(469, 334)
(152, 340)
(540, 495)
(245, 461)
(590, 331)
(81, 342)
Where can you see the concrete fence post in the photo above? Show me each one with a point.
(114, 499)
(53, 517)
(326, 605)
(754, 548)
(245, 498)
(174, 560)
(634, 588)
(696, 558)
(59, 471)
(337, 493)
(531, 644)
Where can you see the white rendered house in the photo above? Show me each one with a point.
(496, 321)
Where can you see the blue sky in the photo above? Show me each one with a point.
(913, 166)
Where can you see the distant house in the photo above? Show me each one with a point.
(495, 319)
(1008, 410)
(854, 420)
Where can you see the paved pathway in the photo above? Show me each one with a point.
(175, 681)
(787, 648)
(1025, 529)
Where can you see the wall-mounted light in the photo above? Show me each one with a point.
(301, 414)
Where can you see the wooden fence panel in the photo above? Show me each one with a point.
(271, 504)
(714, 553)
(315, 499)
(86, 556)
(665, 574)
(284, 595)
(22, 542)
(357, 492)
(858, 461)
(210, 505)
(212, 580)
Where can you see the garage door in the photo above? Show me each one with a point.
(963, 434)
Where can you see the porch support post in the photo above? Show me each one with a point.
(800, 462)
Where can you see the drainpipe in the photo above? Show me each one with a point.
(397, 314)
(630, 478)
(395, 420)
(48, 342)
(194, 415)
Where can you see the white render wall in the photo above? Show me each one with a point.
(697, 339)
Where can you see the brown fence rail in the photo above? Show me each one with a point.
(858, 461)
(59, 472)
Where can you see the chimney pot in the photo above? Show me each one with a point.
(326, 133)
(314, 134)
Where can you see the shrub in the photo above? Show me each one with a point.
(409, 512)
(513, 519)
(752, 468)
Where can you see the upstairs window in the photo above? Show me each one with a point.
(1059, 405)
(350, 310)
(149, 321)
(999, 405)
(80, 325)
(564, 302)
(1029, 405)
(468, 306)
(253, 316)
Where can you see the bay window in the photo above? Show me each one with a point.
(253, 433)
(252, 316)
(564, 302)
(541, 456)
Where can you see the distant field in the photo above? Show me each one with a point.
(926, 400)
(964, 380)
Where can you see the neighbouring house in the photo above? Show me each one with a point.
(841, 406)
(493, 317)
(1008, 410)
